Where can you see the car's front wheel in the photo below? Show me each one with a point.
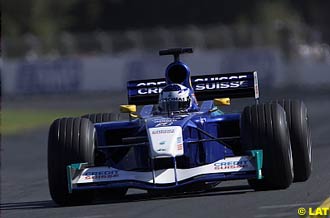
(70, 140)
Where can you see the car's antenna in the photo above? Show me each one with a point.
(175, 52)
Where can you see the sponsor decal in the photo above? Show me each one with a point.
(170, 99)
(217, 78)
(153, 90)
(162, 131)
(179, 143)
(164, 124)
(100, 174)
(166, 120)
(210, 83)
(214, 83)
(161, 149)
(230, 165)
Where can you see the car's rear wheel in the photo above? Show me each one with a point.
(71, 140)
(101, 117)
(300, 134)
(264, 127)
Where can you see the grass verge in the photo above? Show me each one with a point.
(15, 121)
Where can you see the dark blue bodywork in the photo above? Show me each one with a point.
(196, 153)
(206, 117)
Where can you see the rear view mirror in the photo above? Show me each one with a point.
(131, 108)
(221, 101)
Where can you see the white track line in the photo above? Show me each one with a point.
(289, 205)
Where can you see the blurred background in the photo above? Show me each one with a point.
(78, 54)
(64, 58)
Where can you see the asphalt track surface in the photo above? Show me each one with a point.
(24, 186)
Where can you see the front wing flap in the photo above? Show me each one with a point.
(82, 177)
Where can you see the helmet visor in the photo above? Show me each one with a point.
(175, 106)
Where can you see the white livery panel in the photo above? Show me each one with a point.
(166, 176)
(166, 141)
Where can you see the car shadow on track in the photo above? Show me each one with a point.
(218, 191)
(27, 205)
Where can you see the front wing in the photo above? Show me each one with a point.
(82, 177)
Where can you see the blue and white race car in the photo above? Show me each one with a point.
(180, 140)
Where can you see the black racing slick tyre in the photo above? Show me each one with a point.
(264, 126)
(70, 140)
(300, 134)
(101, 117)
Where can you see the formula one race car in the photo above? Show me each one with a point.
(176, 144)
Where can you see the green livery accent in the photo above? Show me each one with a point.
(258, 155)
(68, 174)
(79, 166)
(70, 170)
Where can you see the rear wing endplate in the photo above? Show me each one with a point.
(206, 87)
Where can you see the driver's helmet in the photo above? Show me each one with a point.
(175, 98)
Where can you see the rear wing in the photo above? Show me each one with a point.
(206, 87)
